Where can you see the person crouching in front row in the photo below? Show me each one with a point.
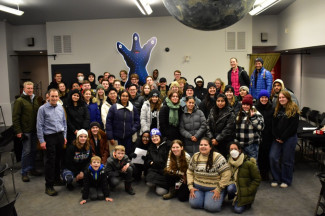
(95, 182)
(119, 167)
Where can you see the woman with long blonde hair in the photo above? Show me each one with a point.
(284, 128)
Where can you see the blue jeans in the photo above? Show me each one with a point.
(28, 153)
(203, 199)
(252, 150)
(231, 190)
(282, 171)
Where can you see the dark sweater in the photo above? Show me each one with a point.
(77, 160)
(284, 127)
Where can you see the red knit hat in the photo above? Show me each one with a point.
(248, 99)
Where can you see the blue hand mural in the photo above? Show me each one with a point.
(138, 57)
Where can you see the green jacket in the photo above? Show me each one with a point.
(24, 114)
(248, 180)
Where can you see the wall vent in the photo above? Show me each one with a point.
(62, 44)
(235, 41)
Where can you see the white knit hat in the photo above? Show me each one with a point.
(82, 131)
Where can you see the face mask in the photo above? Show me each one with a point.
(234, 153)
(80, 78)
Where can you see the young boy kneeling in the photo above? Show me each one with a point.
(119, 166)
(95, 182)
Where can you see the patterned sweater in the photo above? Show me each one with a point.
(218, 176)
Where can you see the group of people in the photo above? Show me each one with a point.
(195, 143)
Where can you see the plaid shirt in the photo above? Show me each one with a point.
(250, 132)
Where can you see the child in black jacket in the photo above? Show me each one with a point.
(119, 167)
(95, 182)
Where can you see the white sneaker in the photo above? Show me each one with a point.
(274, 184)
(283, 185)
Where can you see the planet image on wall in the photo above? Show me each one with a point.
(208, 15)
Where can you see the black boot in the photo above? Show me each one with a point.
(128, 188)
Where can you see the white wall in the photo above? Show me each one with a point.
(21, 33)
(265, 24)
(302, 25)
(94, 42)
(9, 72)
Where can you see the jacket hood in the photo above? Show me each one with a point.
(199, 77)
(278, 81)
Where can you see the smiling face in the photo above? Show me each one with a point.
(229, 94)
(177, 149)
(62, 87)
(233, 63)
(53, 97)
(112, 95)
(119, 154)
(124, 98)
(174, 98)
(145, 138)
(154, 99)
(149, 80)
(29, 89)
(258, 65)
(146, 89)
(132, 91)
(155, 139)
(75, 97)
(282, 99)
(242, 93)
(277, 87)
(189, 92)
(218, 84)
(123, 75)
(91, 78)
(58, 78)
(105, 84)
(246, 107)
(101, 92)
(75, 86)
(212, 90)
(221, 103)
(204, 147)
(190, 104)
(94, 130)
(82, 138)
(117, 85)
(175, 88)
(95, 164)
(264, 100)
(87, 95)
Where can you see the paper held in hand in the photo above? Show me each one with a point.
(140, 153)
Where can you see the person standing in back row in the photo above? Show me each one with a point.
(237, 76)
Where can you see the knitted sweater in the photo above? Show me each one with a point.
(218, 176)
(178, 172)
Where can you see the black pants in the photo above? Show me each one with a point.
(53, 157)
(96, 193)
(182, 193)
(113, 181)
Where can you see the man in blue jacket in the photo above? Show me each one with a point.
(260, 79)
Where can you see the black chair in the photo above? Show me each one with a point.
(305, 112)
(9, 209)
(3, 169)
(312, 117)
(321, 119)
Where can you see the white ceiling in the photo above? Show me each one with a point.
(42, 11)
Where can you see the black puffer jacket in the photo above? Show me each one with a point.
(167, 130)
(222, 127)
(243, 77)
(207, 104)
(137, 101)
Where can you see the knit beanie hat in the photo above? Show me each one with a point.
(94, 123)
(248, 100)
(189, 87)
(100, 86)
(211, 84)
(262, 93)
(82, 131)
(154, 92)
(229, 88)
(155, 131)
(259, 60)
(245, 88)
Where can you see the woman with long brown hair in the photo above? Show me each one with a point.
(284, 128)
(149, 116)
(177, 164)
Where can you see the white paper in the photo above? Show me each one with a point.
(309, 128)
(140, 153)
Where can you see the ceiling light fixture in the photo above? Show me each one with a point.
(11, 10)
(143, 6)
(260, 7)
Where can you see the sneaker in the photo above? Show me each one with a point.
(283, 185)
(50, 191)
(34, 172)
(170, 194)
(274, 184)
(25, 178)
(129, 189)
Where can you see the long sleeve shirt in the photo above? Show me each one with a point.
(50, 120)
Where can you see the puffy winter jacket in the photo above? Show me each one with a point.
(122, 121)
(243, 77)
(94, 113)
(146, 117)
(192, 124)
(264, 81)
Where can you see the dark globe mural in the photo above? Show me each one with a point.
(208, 15)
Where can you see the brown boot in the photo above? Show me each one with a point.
(128, 188)
(170, 194)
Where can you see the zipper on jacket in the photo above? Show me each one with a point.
(124, 123)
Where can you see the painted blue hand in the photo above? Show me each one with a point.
(138, 57)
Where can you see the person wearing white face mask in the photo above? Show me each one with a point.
(245, 179)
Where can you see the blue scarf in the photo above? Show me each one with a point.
(94, 172)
